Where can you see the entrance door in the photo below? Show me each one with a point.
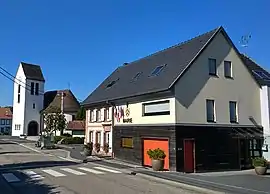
(188, 155)
(32, 129)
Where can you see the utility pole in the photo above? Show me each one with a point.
(62, 95)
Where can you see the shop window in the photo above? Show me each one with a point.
(127, 142)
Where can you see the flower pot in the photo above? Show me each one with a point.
(87, 152)
(260, 170)
(157, 165)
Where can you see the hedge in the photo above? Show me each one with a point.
(69, 140)
(73, 140)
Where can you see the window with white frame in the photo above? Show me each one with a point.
(8, 121)
(3, 121)
(106, 137)
(233, 111)
(212, 64)
(156, 108)
(92, 117)
(98, 115)
(91, 136)
(210, 110)
(98, 137)
(17, 127)
(228, 69)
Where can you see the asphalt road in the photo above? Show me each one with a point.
(23, 171)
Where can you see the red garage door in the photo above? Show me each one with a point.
(153, 144)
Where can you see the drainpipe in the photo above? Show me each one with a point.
(112, 117)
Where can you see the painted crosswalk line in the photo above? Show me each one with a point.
(53, 173)
(10, 177)
(33, 175)
(91, 170)
(69, 170)
(107, 169)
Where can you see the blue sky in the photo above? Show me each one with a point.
(82, 43)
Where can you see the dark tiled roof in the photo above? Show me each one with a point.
(32, 72)
(5, 113)
(176, 58)
(253, 66)
(52, 101)
(76, 125)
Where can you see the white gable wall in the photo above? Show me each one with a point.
(18, 108)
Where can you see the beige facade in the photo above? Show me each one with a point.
(98, 127)
(196, 85)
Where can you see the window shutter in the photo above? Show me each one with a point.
(102, 115)
(95, 115)
(89, 115)
(110, 114)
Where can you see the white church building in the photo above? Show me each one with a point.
(29, 101)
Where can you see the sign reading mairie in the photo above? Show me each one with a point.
(121, 113)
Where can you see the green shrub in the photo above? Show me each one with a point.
(73, 140)
(56, 139)
(259, 161)
(156, 154)
(106, 148)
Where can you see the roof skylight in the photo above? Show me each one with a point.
(112, 83)
(136, 77)
(157, 70)
(261, 74)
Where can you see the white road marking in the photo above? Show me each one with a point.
(10, 177)
(73, 171)
(91, 170)
(106, 169)
(54, 173)
(33, 175)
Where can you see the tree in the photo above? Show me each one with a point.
(54, 121)
(81, 114)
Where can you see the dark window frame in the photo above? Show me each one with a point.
(32, 88)
(230, 75)
(37, 89)
(19, 98)
(209, 67)
(155, 113)
(211, 119)
(19, 88)
(234, 118)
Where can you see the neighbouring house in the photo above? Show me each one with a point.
(76, 128)
(27, 100)
(197, 101)
(61, 100)
(5, 120)
(98, 127)
(263, 78)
